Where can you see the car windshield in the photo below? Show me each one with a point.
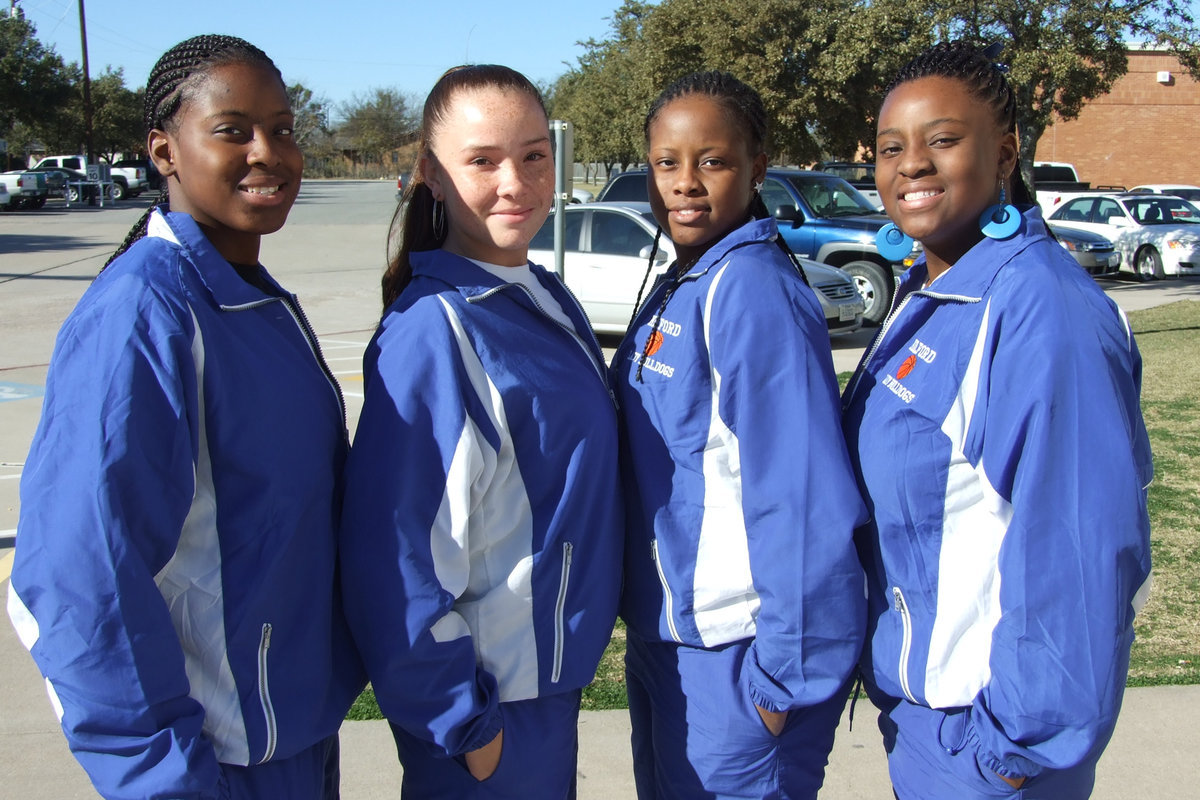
(829, 196)
(855, 173)
(1159, 210)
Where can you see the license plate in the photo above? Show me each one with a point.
(846, 313)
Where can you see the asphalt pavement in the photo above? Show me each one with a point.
(332, 253)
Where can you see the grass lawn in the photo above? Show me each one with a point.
(1167, 649)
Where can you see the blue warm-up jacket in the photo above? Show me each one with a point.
(481, 540)
(741, 499)
(174, 575)
(996, 430)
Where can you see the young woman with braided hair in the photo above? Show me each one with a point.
(1005, 564)
(743, 594)
(481, 542)
(175, 572)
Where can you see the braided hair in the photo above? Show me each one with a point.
(744, 111)
(413, 228)
(170, 85)
(984, 76)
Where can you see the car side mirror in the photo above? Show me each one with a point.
(788, 213)
(660, 257)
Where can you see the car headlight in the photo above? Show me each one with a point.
(1186, 242)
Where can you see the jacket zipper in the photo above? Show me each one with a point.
(559, 612)
(264, 693)
(302, 322)
(662, 577)
(906, 643)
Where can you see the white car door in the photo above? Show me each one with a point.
(608, 272)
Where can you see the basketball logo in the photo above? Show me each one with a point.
(906, 367)
(655, 342)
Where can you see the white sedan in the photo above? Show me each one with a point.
(1156, 235)
(1189, 193)
(607, 249)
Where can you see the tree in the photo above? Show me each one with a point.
(312, 116)
(606, 96)
(377, 124)
(822, 67)
(33, 79)
(1061, 53)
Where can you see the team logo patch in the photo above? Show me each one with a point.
(906, 368)
(655, 342)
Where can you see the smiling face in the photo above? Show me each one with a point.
(702, 173)
(491, 164)
(229, 157)
(940, 156)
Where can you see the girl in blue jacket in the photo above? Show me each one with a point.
(481, 539)
(995, 427)
(174, 575)
(743, 594)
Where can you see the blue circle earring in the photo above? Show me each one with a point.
(893, 243)
(1001, 220)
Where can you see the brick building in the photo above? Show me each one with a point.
(1143, 131)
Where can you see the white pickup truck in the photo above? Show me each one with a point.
(1055, 181)
(126, 181)
(23, 189)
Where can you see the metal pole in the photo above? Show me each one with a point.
(560, 193)
(87, 90)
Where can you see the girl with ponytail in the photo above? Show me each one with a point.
(482, 533)
(174, 578)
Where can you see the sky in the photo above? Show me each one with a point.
(338, 49)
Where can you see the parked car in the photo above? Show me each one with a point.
(1156, 235)
(25, 189)
(821, 217)
(858, 174)
(1055, 182)
(59, 182)
(153, 176)
(607, 249)
(3, 195)
(126, 181)
(581, 196)
(1189, 193)
(1092, 251)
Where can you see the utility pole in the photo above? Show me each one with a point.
(87, 95)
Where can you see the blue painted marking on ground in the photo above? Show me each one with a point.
(19, 391)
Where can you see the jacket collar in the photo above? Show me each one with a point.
(468, 277)
(217, 275)
(756, 230)
(974, 273)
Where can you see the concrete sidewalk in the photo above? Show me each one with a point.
(1153, 754)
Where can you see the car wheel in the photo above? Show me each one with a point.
(873, 286)
(73, 194)
(1148, 264)
(117, 192)
(38, 203)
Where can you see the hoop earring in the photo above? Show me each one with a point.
(439, 220)
(893, 243)
(1001, 220)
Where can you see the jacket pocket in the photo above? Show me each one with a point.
(264, 693)
(670, 602)
(560, 612)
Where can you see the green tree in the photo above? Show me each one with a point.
(376, 124)
(312, 116)
(822, 66)
(33, 78)
(1061, 53)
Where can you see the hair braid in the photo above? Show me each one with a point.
(172, 78)
(984, 77)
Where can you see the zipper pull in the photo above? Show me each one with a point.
(899, 599)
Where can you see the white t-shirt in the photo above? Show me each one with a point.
(524, 276)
